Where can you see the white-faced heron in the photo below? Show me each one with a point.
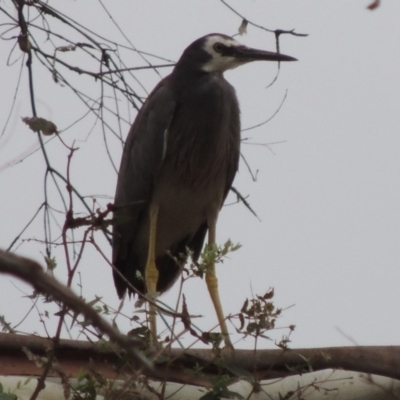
(179, 161)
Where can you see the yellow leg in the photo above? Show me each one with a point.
(151, 273)
(212, 285)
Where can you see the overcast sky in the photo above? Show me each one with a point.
(327, 192)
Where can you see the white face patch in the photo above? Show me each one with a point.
(218, 62)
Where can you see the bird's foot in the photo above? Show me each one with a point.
(228, 351)
(154, 346)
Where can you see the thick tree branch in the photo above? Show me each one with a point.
(179, 365)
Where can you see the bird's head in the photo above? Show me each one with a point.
(218, 53)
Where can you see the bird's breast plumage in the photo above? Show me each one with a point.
(204, 135)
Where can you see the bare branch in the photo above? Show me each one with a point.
(32, 273)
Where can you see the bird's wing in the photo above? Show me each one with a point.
(234, 145)
(232, 166)
(141, 160)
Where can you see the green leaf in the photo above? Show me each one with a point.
(8, 396)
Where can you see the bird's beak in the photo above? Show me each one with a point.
(247, 54)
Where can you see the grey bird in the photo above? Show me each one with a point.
(178, 164)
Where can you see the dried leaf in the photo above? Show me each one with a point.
(374, 5)
(64, 49)
(245, 305)
(185, 314)
(269, 294)
(37, 124)
(24, 43)
(243, 27)
(241, 319)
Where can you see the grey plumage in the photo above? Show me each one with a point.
(199, 114)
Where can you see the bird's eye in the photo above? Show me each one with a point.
(219, 47)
